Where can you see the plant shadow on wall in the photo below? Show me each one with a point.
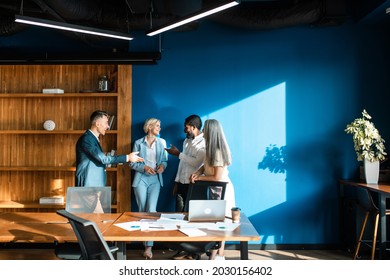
(274, 159)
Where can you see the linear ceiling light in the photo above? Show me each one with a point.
(203, 13)
(71, 27)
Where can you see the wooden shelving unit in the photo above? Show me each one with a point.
(31, 158)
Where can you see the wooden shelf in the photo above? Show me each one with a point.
(18, 131)
(34, 205)
(46, 168)
(26, 146)
(28, 205)
(64, 95)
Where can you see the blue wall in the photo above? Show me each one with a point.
(294, 89)
(291, 91)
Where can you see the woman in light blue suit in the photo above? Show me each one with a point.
(148, 178)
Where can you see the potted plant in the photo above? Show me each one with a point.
(368, 144)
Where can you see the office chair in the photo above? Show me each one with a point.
(83, 200)
(201, 190)
(367, 203)
(91, 241)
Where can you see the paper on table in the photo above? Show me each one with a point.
(132, 226)
(175, 216)
(141, 225)
(192, 232)
(197, 225)
(221, 226)
(160, 226)
(224, 226)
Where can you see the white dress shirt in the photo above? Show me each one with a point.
(191, 158)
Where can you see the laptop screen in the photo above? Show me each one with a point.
(206, 210)
(88, 199)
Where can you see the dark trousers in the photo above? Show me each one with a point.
(181, 196)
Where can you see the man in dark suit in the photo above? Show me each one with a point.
(91, 161)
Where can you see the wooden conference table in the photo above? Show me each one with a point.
(383, 191)
(50, 227)
(32, 227)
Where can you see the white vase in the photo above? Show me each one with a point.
(371, 171)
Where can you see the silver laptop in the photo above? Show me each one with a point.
(206, 210)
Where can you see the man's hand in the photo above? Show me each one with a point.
(173, 151)
(134, 158)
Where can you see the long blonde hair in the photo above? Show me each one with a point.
(215, 140)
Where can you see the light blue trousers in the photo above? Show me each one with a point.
(146, 194)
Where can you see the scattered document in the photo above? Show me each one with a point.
(224, 226)
(192, 232)
(177, 217)
(220, 226)
(175, 222)
(150, 225)
(132, 226)
(197, 225)
(160, 226)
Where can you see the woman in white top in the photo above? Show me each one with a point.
(217, 159)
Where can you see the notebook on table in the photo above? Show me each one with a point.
(206, 210)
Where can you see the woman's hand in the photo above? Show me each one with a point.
(149, 170)
(160, 169)
(194, 177)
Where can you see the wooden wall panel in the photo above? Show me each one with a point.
(33, 78)
(32, 158)
(124, 135)
(68, 114)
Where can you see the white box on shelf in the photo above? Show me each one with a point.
(53, 90)
(51, 200)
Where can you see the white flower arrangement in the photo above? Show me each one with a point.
(367, 141)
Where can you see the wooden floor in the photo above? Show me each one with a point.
(136, 254)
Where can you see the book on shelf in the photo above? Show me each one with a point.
(51, 200)
(111, 120)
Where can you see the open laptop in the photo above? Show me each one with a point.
(206, 210)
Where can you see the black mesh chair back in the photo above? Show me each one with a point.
(201, 190)
(83, 200)
(205, 190)
(92, 244)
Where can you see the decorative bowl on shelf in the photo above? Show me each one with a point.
(49, 125)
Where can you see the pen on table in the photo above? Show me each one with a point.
(107, 221)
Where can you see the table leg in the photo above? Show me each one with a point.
(341, 215)
(121, 253)
(244, 250)
(382, 226)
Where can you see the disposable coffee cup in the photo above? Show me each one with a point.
(236, 213)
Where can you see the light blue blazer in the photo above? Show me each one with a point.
(162, 158)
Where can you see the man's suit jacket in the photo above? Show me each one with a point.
(91, 161)
(162, 158)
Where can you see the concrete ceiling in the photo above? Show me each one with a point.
(137, 16)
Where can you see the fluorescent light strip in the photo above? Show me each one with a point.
(71, 27)
(192, 18)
